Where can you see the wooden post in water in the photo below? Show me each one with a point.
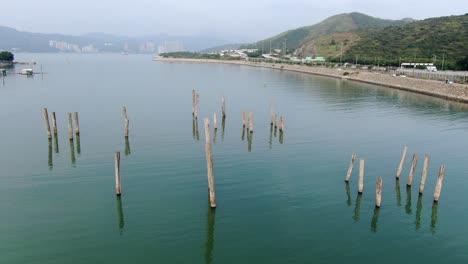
(46, 120)
(438, 188)
(402, 162)
(250, 122)
(378, 192)
(209, 164)
(118, 187)
(193, 102)
(243, 119)
(215, 122)
(70, 126)
(223, 107)
(197, 101)
(281, 124)
(424, 174)
(413, 169)
(276, 121)
(350, 169)
(54, 123)
(127, 122)
(77, 124)
(361, 176)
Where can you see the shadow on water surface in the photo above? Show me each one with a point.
(375, 219)
(72, 152)
(78, 145)
(210, 227)
(215, 133)
(120, 214)
(435, 207)
(348, 194)
(357, 207)
(418, 212)
(56, 146)
(408, 208)
(127, 147)
(49, 161)
(398, 193)
(249, 140)
(223, 126)
(195, 132)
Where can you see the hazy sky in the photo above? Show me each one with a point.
(232, 20)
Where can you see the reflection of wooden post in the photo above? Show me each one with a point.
(70, 126)
(223, 108)
(378, 192)
(424, 174)
(54, 123)
(250, 122)
(361, 176)
(402, 162)
(46, 120)
(243, 119)
(438, 188)
(350, 169)
(209, 164)
(118, 188)
(412, 170)
(77, 124)
(215, 122)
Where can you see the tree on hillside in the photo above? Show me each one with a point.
(6, 56)
(462, 64)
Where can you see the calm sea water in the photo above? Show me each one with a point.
(277, 203)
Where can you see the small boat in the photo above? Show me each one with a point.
(124, 53)
(27, 72)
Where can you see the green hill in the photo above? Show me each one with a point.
(338, 23)
(434, 39)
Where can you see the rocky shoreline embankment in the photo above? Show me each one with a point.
(454, 92)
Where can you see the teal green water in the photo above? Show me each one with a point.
(277, 203)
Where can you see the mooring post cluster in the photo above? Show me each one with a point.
(379, 183)
(54, 124)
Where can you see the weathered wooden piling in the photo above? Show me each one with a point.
(413, 169)
(46, 120)
(281, 127)
(193, 101)
(276, 121)
(350, 169)
(54, 123)
(250, 122)
(378, 192)
(223, 107)
(77, 124)
(127, 122)
(215, 122)
(402, 162)
(361, 176)
(118, 187)
(70, 126)
(424, 174)
(209, 164)
(197, 101)
(438, 188)
(243, 119)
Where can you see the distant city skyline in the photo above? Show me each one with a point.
(240, 20)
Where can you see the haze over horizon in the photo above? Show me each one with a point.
(234, 21)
